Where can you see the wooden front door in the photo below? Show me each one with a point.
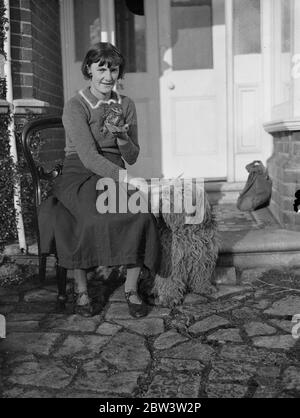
(193, 87)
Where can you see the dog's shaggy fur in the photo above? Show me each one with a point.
(189, 255)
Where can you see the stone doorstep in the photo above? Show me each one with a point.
(260, 248)
(223, 192)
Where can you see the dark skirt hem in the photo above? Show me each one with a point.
(92, 263)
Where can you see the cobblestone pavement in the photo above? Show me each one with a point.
(238, 343)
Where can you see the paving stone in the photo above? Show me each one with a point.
(40, 295)
(144, 326)
(193, 350)
(34, 342)
(120, 311)
(223, 371)
(286, 396)
(262, 304)
(180, 322)
(123, 383)
(223, 335)
(248, 354)
(95, 366)
(248, 276)
(80, 395)
(259, 293)
(225, 275)
(22, 326)
(19, 358)
(168, 340)
(127, 352)
(7, 299)
(258, 328)
(242, 297)
(201, 311)
(82, 346)
(22, 317)
(208, 324)
(267, 375)
(17, 392)
(266, 392)
(229, 290)
(290, 305)
(282, 324)
(229, 390)
(8, 291)
(291, 378)
(49, 373)
(6, 309)
(173, 386)
(35, 307)
(177, 365)
(108, 329)
(285, 342)
(194, 298)
(245, 314)
(71, 323)
(118, 295)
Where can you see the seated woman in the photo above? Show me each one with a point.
(96, 148)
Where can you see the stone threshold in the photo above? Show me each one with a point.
(223, 192)
(260, 248)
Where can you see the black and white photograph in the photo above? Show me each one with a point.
(149, 202)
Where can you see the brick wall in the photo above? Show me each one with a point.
(36, 51)
(284, 170)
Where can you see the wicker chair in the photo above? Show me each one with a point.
(38, 173)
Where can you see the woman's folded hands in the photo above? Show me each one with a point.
(120, 132)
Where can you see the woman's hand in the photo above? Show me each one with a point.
(118, 131)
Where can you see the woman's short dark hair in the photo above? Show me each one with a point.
(106, 54)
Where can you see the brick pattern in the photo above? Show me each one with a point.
(284, 169)
(36, 51)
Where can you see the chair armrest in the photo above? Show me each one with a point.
(50, 175)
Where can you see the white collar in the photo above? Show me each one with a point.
(81, 92)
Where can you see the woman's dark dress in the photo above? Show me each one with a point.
(84, 238)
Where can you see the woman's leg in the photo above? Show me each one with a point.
(80, 287)
(131, 283)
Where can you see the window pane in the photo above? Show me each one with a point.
(191, 22)
(87, 26)
(246, 18)
(131, 34)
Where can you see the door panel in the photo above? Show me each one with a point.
(193, 87)
(248, 90)
(137, 37)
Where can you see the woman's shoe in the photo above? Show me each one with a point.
(84, 310)
(137, 310)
